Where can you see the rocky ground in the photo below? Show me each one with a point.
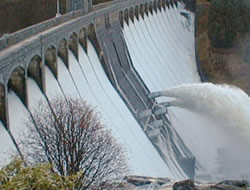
(147, 183)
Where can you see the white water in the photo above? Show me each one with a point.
(161, 59)
(222, 126)
(213, 121)
(143, 158)
(225, 103)
(87, 80)
(6, 146)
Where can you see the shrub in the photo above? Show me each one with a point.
(38, 177)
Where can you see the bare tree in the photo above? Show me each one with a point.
(69, 135)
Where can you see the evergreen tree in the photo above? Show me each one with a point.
(225, 22)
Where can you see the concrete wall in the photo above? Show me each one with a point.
(25, 54)
(43, 41)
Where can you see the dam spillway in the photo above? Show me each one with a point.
(113, 68)
(90, 82)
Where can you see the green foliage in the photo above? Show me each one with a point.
(226, 19)
(16, 176)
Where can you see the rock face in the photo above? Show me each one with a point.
(147, 183)
(140, 182)
(184, 185)
(230, 185)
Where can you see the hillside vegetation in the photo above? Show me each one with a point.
(18, 14)
(223, 36)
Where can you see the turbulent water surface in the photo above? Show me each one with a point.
(219, 133)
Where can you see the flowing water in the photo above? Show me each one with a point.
(212, 120)
(221, 126)
(86, 79)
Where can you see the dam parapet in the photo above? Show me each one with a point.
(45, 39)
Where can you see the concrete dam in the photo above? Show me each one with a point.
(112, 57)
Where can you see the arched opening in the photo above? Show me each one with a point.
(131, 14)
(35, 71)
(121, 18)
(137, 12)
(171, 3)
(176, 3)
(155, 6)
(150, 7)
(83, 39)
(17, 83)
(92, 37)
(146, 8)
(142, 11)
(63, 51)
(3, 106)
(159, 4)
(164, 4)
(51, 60)
(168, 4)
(126, 16)
(73, 44)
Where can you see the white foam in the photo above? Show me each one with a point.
(169, 63)
(6, 146)
(214, 123)
(143, 158)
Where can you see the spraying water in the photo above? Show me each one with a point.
(163, 61)
(222, 113)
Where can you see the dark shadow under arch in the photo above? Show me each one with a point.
(131, 14)
(141, 10)
(121, 19)
(136, 12)
(155, 6)
(35, 71)
(164, 4)
(17, 82)
(73, 44)
(150, 7)
(51, 60)
(3, 106)
(159, 4)
(146, 8)
(126, 16)
(63, 51)
(168, 4)
(83, 39)
(93, 39)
